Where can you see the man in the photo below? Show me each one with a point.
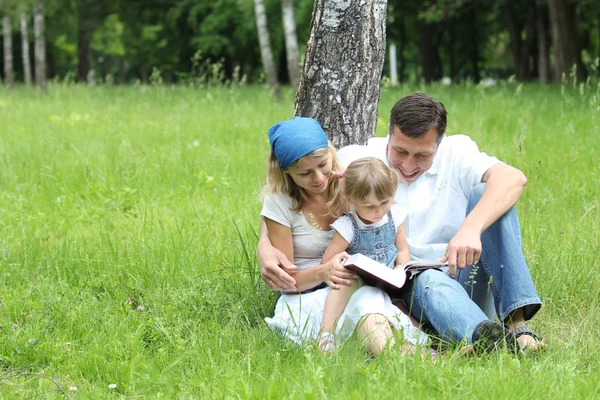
(446, 178)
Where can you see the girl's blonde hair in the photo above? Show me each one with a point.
(281, 183)
(362, 177)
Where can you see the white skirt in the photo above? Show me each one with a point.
(298, 316)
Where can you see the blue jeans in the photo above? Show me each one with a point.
(454, 307)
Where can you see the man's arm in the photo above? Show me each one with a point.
(504, 187)
(275, 267)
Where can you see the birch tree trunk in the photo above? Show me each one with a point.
(291, 42)
(265, 47)
(40, 44)
(25, 50)
(342, 69)
(9, 79)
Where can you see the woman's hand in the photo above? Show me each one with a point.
(334, 274)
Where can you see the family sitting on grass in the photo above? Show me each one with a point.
(416, 194)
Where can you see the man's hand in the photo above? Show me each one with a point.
(275, 269)
(464, 249)
(334, 274)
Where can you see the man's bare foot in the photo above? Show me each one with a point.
(526, 338)
(465, 351)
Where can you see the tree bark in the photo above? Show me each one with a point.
(40, 44)
(564, 40)
(342, 69)
(25, 50)
(265, 48)
(291, 42)
(9, 79)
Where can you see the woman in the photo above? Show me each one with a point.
(298, 223)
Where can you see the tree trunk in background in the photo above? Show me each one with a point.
(564, 40)
(531, 41)
(122, 78)
(291, 42)
(265, 48)
(543, 60)
(39, 49)
(518, 47)
(84, 40)
(108, 62)
(144, 73)
(474, 53)
(25, 50)
(393, 64)
(452, 48)
(402, 46)
(342, 68)
(9, 79)
(430, 57)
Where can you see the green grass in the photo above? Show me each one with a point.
(127, 247)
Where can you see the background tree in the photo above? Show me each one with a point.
(89, 19)
(265, 47)
(40, 43)
(563, 22)
(25, 48)
(291, 42)
(543, 41)
(342, 69)
(196, 40)
(7, 41)
(521, 18)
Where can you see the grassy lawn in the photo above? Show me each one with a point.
(127, 247)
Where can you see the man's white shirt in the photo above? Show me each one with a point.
(437, 201)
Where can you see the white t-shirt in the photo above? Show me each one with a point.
(309, 242)
(437, 200)
(343, 225)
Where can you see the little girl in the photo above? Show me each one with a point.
(373, 227)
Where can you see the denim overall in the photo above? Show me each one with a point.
(376, 243)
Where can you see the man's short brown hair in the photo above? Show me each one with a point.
(416, 114)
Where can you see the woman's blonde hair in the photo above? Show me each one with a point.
(362, 177)
(281, 183)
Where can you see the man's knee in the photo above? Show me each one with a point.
(476, 194)
(428, 279)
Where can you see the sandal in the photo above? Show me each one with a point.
(489, 335)
(326, 344)
(525, 330)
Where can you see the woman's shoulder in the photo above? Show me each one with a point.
(279, 199)
(278, 207)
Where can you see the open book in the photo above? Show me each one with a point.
(377, 274)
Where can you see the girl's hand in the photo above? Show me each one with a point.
(334, 274)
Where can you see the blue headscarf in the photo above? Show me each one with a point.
(291, 140)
